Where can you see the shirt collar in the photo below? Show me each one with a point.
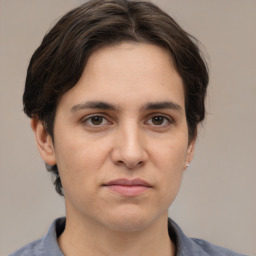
(184, 245)
(50, 245)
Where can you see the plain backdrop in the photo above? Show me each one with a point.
(217, 199)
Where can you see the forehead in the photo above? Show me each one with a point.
(128, 73)
(129, 59)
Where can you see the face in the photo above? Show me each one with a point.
(121, 138)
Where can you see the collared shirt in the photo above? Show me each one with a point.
(48, 245)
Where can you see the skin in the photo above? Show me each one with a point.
(139, 135)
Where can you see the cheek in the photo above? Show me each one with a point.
(80, 160)
(170, 154)
(169, 159)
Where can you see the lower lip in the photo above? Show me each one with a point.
(128, 190)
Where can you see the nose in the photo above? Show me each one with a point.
(129, 148)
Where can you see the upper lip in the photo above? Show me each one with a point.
(127, 182)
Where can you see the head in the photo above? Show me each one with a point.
(59, 62)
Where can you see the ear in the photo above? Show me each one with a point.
(190, 153)
(44, 141)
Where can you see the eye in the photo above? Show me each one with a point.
(95, 120)
(159, 120)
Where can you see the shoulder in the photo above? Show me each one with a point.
(193, 246)
(46, 246)
(32, 249)
(212, 250)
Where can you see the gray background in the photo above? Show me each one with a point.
(217, 198)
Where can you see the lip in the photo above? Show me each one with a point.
(126, 187)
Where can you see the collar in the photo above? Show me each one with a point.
(48, 245)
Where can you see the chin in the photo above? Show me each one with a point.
(130, 220)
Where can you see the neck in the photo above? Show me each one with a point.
(88, 238)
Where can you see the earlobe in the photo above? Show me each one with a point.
(190, 153)
(44, 141)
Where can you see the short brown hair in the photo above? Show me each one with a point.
(58, 63)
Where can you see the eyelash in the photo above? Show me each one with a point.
(167, 120)
(89, 119)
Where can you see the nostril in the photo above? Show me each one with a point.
(140, 163)
(134, 165)
(120, 162)
(129, 156)
(130, 165)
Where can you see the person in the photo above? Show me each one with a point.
(115, 93)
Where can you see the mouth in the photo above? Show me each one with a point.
(126, 187)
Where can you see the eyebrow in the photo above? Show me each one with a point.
(162, 105)
(107, 106)
(93, 105)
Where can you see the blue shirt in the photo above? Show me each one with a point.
(48, 245)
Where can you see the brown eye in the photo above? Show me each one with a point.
(158, 120)
(96, 120)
